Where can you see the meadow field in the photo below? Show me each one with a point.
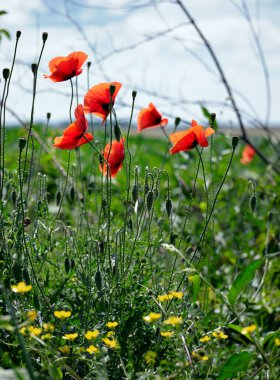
(144, 247)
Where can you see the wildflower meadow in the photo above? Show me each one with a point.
(140, 248)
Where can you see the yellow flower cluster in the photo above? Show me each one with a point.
(173, 320)
(169, 296)
(112, 325)
(32, 315)
(91, 334)
(219, 335)
(92, 349)
(62, 314)
(110, 343)
(167, 334)
(200, 356)
(21, 287)
(31, 330)
(152, 317)
(249, 329)
(70, 337)
(204, 339)
(150, 357)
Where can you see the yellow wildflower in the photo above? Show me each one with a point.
(174, 321)
(204, 339)
(110, 333)
(248, 329)
(152, 317)
(150, 357)
(62, 314)
(204, 358)
(165, 297)
(277, 342)
(23, 330)
(64, 350)
(219, 335)
(21, 287)
(91, 334)
(112, 325)
(46, 336)
(81, 349)
(32, 315)
(178, 295)
(35, 331)
(110, 343)
(167, 334)
(70, 337)
(49, 327)
(92, 349)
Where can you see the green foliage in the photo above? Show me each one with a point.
(236, 363)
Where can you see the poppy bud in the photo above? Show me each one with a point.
(168, 206)
(67, 265)
(22, 143)
(98, 280)
(44, 36)
(6, 73)
(213, 118)
(18, 34)
(34, 68)
(150, 200)
(253, 203)
(112, 89)
(235, 141)
(117, 132)
(48, 115)
(88, 64)
(177, 121)
(134, 93)
(134, 193)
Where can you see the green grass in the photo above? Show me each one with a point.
(111, 265)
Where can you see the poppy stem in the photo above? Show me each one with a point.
(2, 143)
(71, 101)
(77, 92)
(65, 186)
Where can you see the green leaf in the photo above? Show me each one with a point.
(3, 13)
(6, 33)
(208, 116)
(238, 328)
(236, 363)
(243, 279)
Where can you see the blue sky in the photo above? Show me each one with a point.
(173, 71)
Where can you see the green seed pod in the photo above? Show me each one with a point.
(34, 68)
(134, 93)
(98, 280)
(22, 143)
(44, 36)
(67, 265)
(58, 198)
(235, 141)
(253, 203)
(89, 64)
(6, 73)
(134, 193)
(112, 89)
(177, 121)
(72, 194)
(48, 116)
(150, 200)
(18, 34)
(213, 118)
(168, 206)
(117, 132)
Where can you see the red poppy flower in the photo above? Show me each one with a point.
(113, 156)
(64, 68)
(247, 155)
(189, 139)
(150, 118)
(74, 135)
(97, 99)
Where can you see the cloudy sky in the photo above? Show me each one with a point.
(148, 45)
